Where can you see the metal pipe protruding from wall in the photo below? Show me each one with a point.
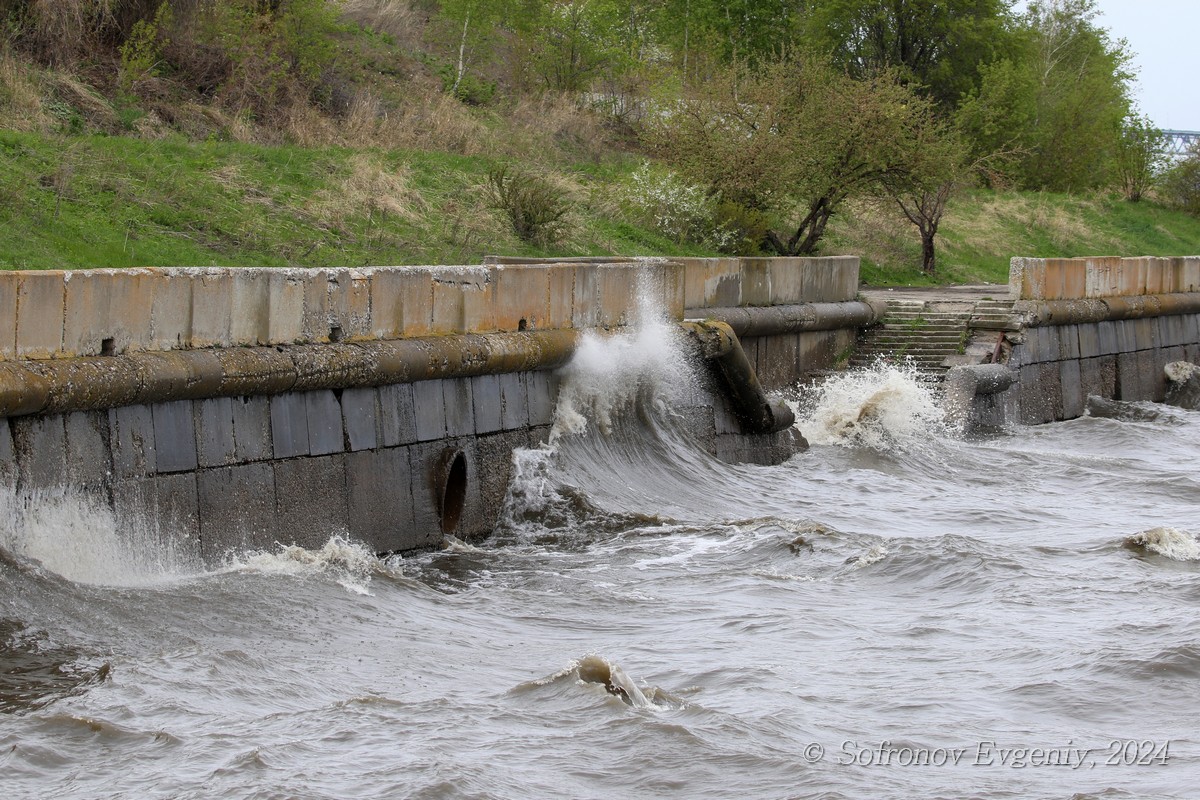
(797, 318)
(720, 347)
(98, 382)
(1043, 313)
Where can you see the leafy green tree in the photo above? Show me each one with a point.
(939, 45)
(1140, 157)
(1059, 103)
(793, 139)
(1181, 184)
(475, 24)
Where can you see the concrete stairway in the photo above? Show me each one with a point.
(927, 334)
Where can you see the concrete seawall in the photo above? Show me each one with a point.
(235, 408)
(1102, 327)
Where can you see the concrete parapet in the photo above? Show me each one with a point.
(1065, 279)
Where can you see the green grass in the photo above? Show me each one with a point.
(107, 201)
(76, 201)
(983, 230)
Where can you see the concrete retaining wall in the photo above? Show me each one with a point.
(1095, 326)
(221, 409)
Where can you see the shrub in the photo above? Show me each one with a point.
(536, 208)
(1181, 185)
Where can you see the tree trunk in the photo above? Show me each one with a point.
(928, 260)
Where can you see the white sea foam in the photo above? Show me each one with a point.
(1169, 542)
(608, 374)
(80, 539)
(874, 408)
(351, 564)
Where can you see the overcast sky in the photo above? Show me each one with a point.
(1164, 36)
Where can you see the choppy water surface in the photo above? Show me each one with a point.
(896, 613)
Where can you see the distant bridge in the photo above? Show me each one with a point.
(1176, 144)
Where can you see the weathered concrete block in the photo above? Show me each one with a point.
(237, 509)
(250, 307)
(88, 457)
(542, 388)
(289, 425)
(494, 456)
(1068, 343)
(1088, 339)
(380, 499)
(1144, 334)
(585, 302)
(514, 401)
(664, 281)
(9, 286)
(41, 299)
(1153, 381)
(756, 282)
(251, 428)
(216, 444)
(460, 411)
(522, 300)
(463, 300)
(286, 289)
(41, 451)
(694, 276)
(311, 500)
(430, 404)
(324, 414)
(397, 415)
(1073, 398)
(316, 322)
(787, 283)
(427, 461)
(488, 403)
(1110, 343)
(1041, 393)
(212, 307)
(1054, 275)
(107, 312)
(1126, 335)
(1157, 275)
(1129, 377)
(131, 439)
(562, 296)
(616, 294)
(1189, 280)
(349, 305)
(1048, 344)
(174, 436)
(160, 514)
(778, 361)
(401, 302)
(360, 416)
(722, 283)
(170, 309)
(1074, 279)
(8, 455)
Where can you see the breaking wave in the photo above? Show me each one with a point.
(1169, 542)
(877, 408)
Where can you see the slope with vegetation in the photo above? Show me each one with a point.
(934, 139)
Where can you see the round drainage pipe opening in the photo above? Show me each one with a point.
(453, 489)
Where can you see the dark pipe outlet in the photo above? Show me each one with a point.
(452, 488)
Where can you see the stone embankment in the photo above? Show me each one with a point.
(223, 409)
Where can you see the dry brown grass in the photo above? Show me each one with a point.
(396, 18)
(22, 104)
(371, 187)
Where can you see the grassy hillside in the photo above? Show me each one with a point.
(122, 201)
(982, 230)
(176, 148)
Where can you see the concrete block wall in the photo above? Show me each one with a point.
(225, 474)
(725, 282)
(1093, 278)
(1060, 366)
(210, 475)
(66, 314)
